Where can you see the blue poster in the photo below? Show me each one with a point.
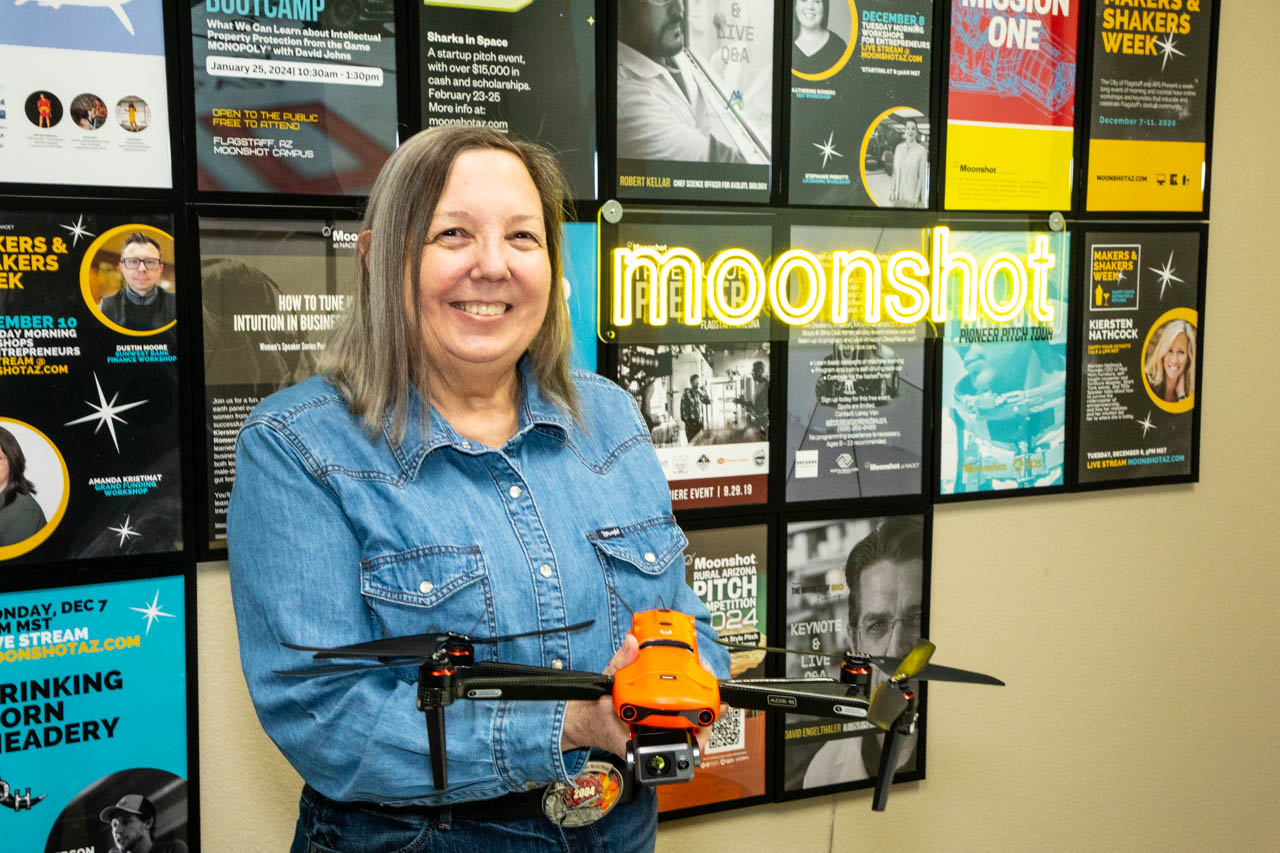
(1004, 381)
(578, 257)
(93, 717)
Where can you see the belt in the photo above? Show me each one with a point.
(517, 806)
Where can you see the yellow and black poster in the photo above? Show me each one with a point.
(1149, 90)
(89, 434)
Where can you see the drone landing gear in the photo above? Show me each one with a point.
(660, 756)
(905, 725)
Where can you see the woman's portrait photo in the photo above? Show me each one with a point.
(33, 488)
(822, 37)
(1169, 364)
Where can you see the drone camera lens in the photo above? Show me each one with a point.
(657, 765)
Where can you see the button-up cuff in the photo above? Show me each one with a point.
(526, 746)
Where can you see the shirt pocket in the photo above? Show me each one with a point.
(432, 588)
(636, 558)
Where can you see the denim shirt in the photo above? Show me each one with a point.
(336, 539)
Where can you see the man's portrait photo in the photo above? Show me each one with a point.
(130, 278)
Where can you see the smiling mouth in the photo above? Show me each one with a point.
(482, 309)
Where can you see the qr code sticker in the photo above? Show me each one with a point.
(728, 732)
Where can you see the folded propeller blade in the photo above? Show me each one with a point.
(417, 645)
(779, 649)
(347, 667)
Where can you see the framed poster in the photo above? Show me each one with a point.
(1011, 105)
(272, 290)
(728, 569)
(580, 269)
(1003, 385)
(707, 410)
(1149, 104)
(694, 100)
(860, 103)
(523, 68)
(293, 98)
(852, 585)
(84, 96)
(855, 391)
(1142, 356)
(89, 399)
(93, 716)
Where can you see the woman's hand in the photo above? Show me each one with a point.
(589, 724)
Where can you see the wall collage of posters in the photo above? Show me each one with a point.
(1005, 200)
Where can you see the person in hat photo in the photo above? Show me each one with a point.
(133, 827)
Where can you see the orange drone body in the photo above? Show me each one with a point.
(666, 686)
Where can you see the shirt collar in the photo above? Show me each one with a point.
(637, 63)
(536, 413)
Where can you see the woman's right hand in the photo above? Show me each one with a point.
(595, 724)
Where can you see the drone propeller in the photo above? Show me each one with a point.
(419, 646)
(890, 698)
(930, 672)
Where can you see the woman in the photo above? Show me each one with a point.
(20, 516)
(450, 473)
(817, 49)
(1171, 366)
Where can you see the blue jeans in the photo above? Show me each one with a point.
(327, 826)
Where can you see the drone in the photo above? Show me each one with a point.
(663, 695)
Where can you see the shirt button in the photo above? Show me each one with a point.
(514, 491)
(466, 445)
(529, 786)
(649, 557)
(425, 587)
(557, 664)
(544, 570)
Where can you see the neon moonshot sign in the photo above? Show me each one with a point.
(909, 286)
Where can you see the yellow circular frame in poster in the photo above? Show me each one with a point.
(907, 113)
(1187, 403)
(93, 272)
(26, 430)
(848, 47)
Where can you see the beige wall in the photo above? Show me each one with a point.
(1137, 629)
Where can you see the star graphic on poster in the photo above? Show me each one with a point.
(1119, 276)
(591, 21)
(1146, 424)
(1167, 49)
(106, 413)
(77, 231)
(827, 148)
(153, 611)
(125, 530)
(1165, 274)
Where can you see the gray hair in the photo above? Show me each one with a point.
(375, 353)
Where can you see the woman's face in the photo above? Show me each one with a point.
(1175, 360)
(809, 12)
(485, 273)
(4, 471)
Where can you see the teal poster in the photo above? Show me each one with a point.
(93, 717)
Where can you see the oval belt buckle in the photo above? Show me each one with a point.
(589, 797)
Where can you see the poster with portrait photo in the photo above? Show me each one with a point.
(1149, 92)
(860, 103)
(296, 98)
(89, 385)
(529, 71)
(1140, 344)
(93, 720)
(694, 99)
(727, 568)
(707, 410)
(852, 585)
(272, 290)
(1004, 384)
(855, 391)
(1011, 105)
(71, 76)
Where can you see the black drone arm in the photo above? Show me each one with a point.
(798, 696)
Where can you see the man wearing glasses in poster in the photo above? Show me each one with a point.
(140, 305)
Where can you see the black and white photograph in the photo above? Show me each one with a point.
(852, 585)
(707, 410)
(694, 99)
